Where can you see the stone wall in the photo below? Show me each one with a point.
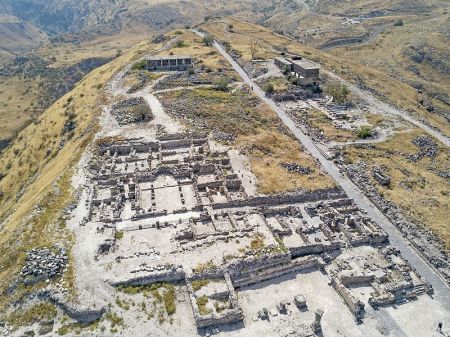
(169, 274)
(262, 274)
(356, 306)
(77, 311)
(301, 197)
(232, 315)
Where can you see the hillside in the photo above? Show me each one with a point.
(372, 30)
(160, 192)
(18, 36)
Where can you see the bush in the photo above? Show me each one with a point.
(365, 132)
(398, 23)
(198, 284)
(180, 44)
(339, 92)
(118, 235)
(202, 301)
(293, 80)
(268, 87)
(221, 84)
(208, 40)
(139, 65)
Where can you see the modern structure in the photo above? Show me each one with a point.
(306, 71)
(169, 63)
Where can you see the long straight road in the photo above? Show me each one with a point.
(396, 239)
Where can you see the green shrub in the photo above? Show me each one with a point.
(268, 87)
(201, 304)
(365, 132)
(198, 284)
(339, 92)
(398, 23)
(139, 65)
(221, 85)
(208, 40)
(181, 44)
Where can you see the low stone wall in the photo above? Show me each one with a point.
(257, 276)
(77, 311)
(348, 280)
(170, 275)
(313, 249)
(228, 316)
(356, 307)
(301, 197)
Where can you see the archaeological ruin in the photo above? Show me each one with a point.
(175, 210)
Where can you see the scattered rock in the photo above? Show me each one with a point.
(427, 148)
(132, 110)
(44, 263)
(160, 38)
(296, 168)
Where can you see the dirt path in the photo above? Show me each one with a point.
(388, 109)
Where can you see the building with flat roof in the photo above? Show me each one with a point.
(305, 70)
(169, 63)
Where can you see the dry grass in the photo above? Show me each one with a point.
(37, 312)
(204, 55)
(400, 94)
(387, 53)
(426, 195)
(259, 135)
(37, 172)
(17, 96)
(320, 121)
(267, 150)
(132, 79)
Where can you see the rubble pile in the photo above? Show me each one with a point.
(186, 79)
(300, 118)
(296, 168)
(427, 148)
(143, 80)
(254, 69)
(45, 262)
(133, 110)
(294, 93)
(160, 38)
(223, 136)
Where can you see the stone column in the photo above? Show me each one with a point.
(315, 326)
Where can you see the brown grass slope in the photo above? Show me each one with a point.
(36, 171)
